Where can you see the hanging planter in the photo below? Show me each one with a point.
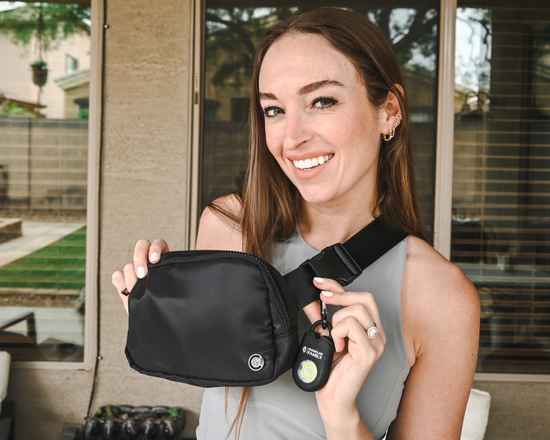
(39, 73)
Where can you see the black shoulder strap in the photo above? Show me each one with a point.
(343, 262)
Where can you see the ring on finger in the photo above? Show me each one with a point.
(125, 292)
(372, 332)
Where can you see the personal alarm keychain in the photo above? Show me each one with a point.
(314, 361)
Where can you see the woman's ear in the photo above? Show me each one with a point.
(392, 111)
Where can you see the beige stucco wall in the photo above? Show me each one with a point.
(144, 194)
(144, 177)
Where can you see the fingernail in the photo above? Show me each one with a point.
(336, 348)
(324, 292)
(141, 272)
(154, 257)
(319, 280)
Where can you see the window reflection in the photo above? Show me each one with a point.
(44, 95)
(501, 227)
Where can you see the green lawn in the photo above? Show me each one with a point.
(61, 266)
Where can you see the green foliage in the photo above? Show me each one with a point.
(39, 65)
(84, 113)
(11, 109)
(60, 21)
(232, 34)
(61, 265)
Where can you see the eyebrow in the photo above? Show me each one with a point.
(307, 89)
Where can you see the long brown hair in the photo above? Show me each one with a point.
(270, 202)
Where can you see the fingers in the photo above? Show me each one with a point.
(141, 257)
(328, 284)
(357, 307)
(119, 282)
(158, 248)
(145, 252)
(360, 346)
(313, 311)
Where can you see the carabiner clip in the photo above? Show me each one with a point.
(324, 315)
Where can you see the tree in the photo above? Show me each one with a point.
(45, 23)
(232, 33)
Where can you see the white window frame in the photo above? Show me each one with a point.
(444, 149)
(92, 208)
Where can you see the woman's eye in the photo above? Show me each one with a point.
(271, 112)
(322, 103)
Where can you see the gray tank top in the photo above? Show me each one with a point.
(280, 410)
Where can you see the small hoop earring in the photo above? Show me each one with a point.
(388, 137)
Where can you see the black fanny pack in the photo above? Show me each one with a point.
(223, 318)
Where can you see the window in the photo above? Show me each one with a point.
(501, 186)
(231, 32)
(72, 65)
(43, 180)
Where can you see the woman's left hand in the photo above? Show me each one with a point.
(356, 352)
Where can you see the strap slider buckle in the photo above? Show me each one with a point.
(336, 263)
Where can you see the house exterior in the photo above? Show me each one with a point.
(143, 172)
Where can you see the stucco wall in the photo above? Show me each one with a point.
(144, 178)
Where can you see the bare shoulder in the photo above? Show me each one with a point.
(437, 297)
(217, 231)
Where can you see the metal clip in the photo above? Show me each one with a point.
(324, 316)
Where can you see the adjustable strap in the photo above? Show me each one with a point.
(343, 262)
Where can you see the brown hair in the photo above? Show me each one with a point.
(270, 202)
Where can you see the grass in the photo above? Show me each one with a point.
(60, 266)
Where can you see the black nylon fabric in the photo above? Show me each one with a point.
(199, 318)
(364, 248)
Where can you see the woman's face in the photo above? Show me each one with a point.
(319, 123)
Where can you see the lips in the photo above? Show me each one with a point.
(309, 164)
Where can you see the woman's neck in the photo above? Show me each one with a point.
(324, 225)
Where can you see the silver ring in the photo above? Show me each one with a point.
(372, 332)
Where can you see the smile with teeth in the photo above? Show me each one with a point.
(309, 164)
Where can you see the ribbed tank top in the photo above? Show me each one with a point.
(280, 410)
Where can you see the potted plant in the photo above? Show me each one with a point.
(39, 72)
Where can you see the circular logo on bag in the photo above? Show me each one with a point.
(307, 371)
(256, 362)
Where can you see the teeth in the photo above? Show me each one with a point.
(308, 164)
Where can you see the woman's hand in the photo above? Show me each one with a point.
(355, 357)
(144, 252)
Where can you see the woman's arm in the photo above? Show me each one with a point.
(216, 232)
(440, 309)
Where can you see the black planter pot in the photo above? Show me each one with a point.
(39, 76)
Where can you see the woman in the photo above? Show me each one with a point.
(330, 152)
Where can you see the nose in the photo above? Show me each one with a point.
(297, 130)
